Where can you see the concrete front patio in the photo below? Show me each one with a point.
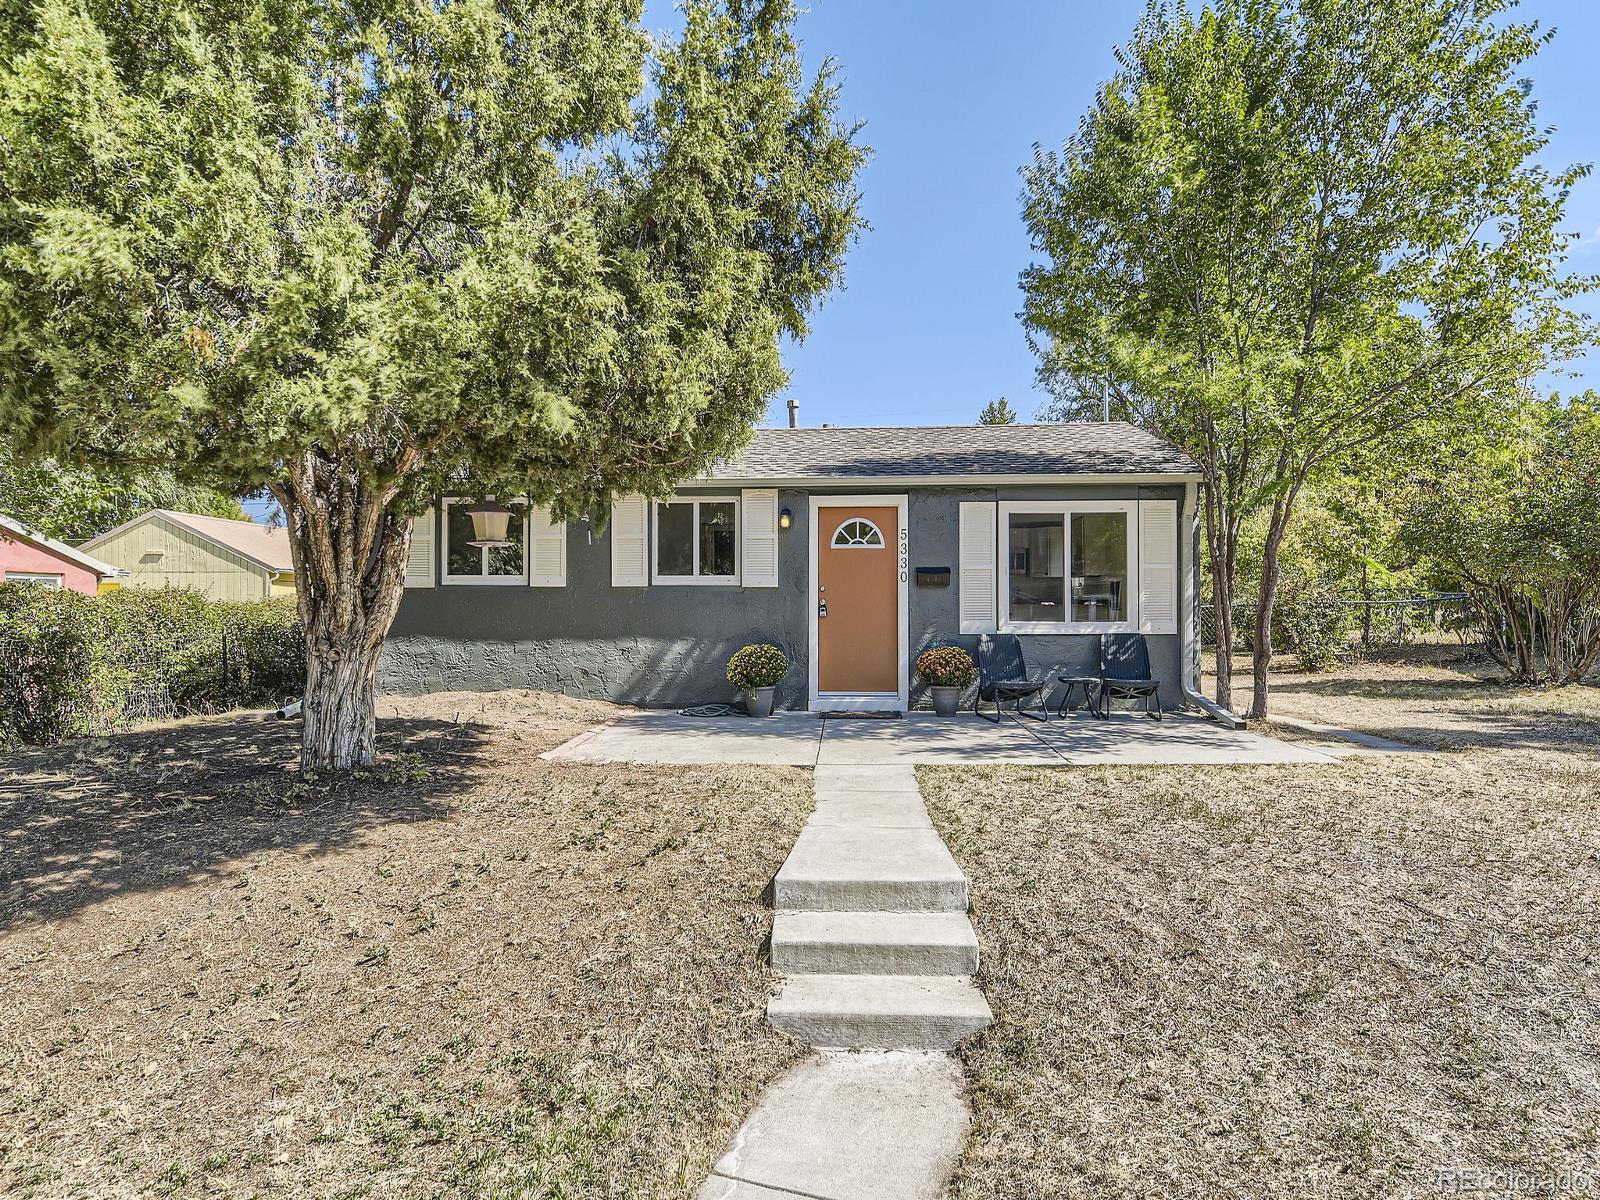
(807, 740)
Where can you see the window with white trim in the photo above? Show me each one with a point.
(466, 563)
(858, 533)
(1069, 567)
(696, 540)
(37, 578)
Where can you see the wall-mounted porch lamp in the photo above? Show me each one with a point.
(785, 519)
(489, 524)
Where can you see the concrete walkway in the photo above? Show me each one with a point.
(1354, 741)
(872, 937)
(870, 1125)
(806, 740)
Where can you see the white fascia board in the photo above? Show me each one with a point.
(801, 482)
(103, 569)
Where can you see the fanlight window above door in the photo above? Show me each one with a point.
(858, 534)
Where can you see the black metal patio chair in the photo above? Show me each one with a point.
(1125, 673)
(1003, 675)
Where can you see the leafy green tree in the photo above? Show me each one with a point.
(1290, 233)
(362, 254)
(74, 504)
(998, 412)
(1516, 517)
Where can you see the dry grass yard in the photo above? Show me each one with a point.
(1435, 698)
(1306, 981)
(470, 973)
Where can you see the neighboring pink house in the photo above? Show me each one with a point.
(30, 557)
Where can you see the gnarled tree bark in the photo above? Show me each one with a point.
(349, 559)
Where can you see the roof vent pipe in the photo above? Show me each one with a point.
(794, 413)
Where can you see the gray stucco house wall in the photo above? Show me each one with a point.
(668, 646)
(656, 647)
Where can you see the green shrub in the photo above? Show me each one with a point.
(946, 666)
(1315, 632)
(757, 667)
(72, 664)
(57, 677)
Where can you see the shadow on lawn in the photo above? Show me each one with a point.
(98, 817)
(1398, 689)
(1472, 713)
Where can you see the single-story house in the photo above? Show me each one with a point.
(27, 556)
(218, 557)
(852, 549)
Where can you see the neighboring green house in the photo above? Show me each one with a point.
(223, 559)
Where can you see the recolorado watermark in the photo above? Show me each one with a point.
(1514, 1181)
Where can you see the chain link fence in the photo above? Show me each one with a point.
(1385, 619)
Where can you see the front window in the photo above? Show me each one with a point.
(697, 541)
(1068, 566)
(1100, 566)
(1038, 568)
(35, 578)
(466, 563)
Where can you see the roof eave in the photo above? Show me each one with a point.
(811, 481)
(61, 550)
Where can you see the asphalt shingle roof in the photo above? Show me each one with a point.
(1087, 448)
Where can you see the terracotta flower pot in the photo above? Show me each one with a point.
(758, 701)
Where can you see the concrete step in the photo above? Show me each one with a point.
(879, 1012)
(831, 779)
(872, 810)
(847, 868)
(873, 943)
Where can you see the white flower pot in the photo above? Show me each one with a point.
(946, 700)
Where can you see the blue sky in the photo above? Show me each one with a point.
(955, 95)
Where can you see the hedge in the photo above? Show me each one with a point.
(72, 664)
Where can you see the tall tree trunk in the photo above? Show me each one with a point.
(1222, 538)
(349, 558)
(1366, 607)
(1261, 660)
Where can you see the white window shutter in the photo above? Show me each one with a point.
(758, 523)
(422, 564)
(1158, 566)
(630, 541)
(978, 578)
(547, 549)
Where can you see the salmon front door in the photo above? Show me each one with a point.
(859, 562)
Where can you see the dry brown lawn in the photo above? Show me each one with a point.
(468, 973)
(1295, 981)
(1438, 697)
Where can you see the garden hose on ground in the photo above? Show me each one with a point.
(712, 710)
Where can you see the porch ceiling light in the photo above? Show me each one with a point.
(489, 524)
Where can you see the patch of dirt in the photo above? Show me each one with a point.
(466, 972)
(1267, 981)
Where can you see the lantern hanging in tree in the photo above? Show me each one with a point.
(489, 524)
